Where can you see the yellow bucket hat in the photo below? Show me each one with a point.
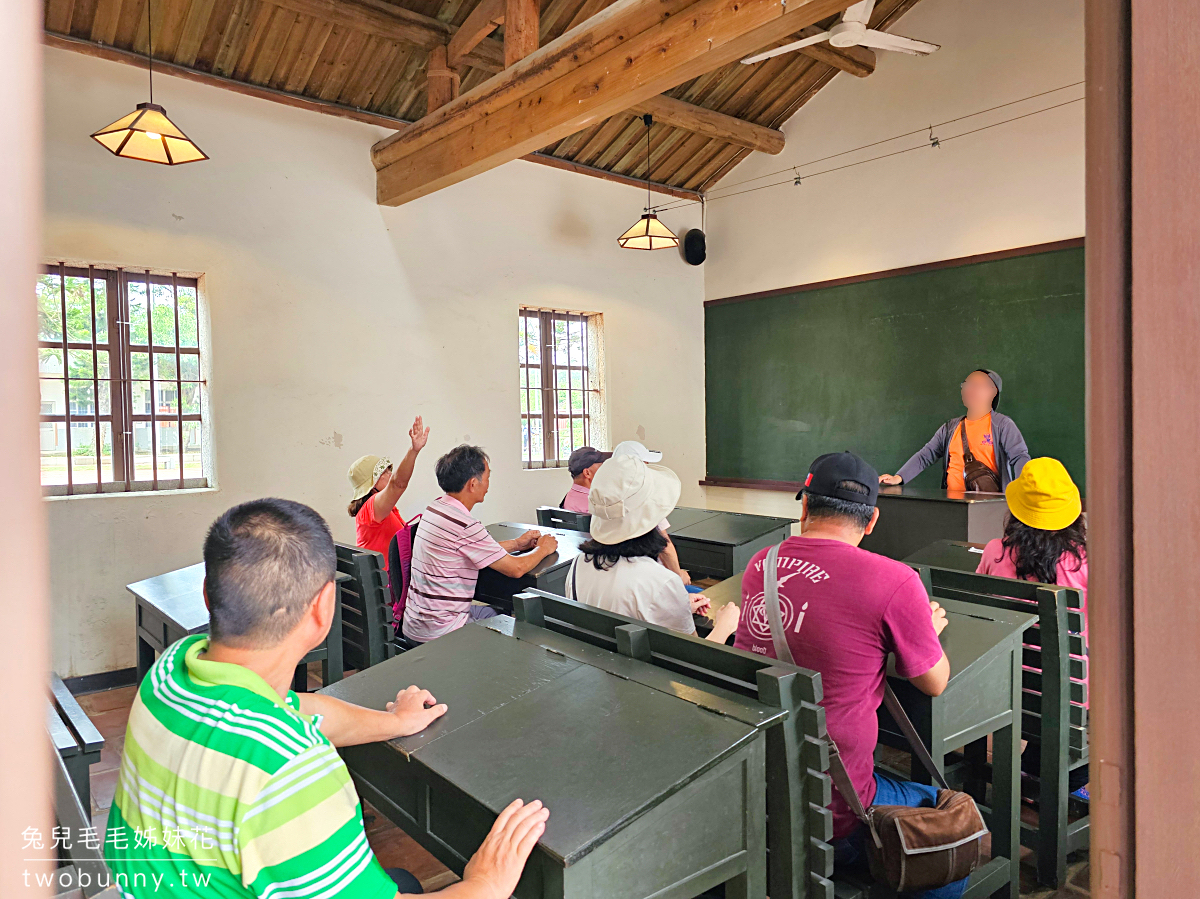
(1044, 496)
(365, 472)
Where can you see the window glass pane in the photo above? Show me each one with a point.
(141, 364)
(535, 437)
(525, 439)
(562, 378)
(141, 397)
(561, 398)
(101, 310)
(533, 327)
(189, 367)
(83, 452)
(79, 310)
(102, 364)
(80, 363)
(106, 451)
(168, 449)
(189, 330)
(167, 400)
(53, 396)
(50, 362)
(535, 402)
(578, 437)
(53, 436)
(560, 342)
(105, 397)
(163, 298)
(535, 378)
(191, 398)
(577, 380)
(577, 402)
(83, 400)
(524, 401)
(137, 311)
(193, 462)
(164, 364)
(49, 308)
(143, 452)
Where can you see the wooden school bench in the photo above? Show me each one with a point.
(73, 813)
(74, 737)
(1054, 714)
(368, 626)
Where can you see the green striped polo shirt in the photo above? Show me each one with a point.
(227, 789)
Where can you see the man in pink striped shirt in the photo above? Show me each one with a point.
(452, 546)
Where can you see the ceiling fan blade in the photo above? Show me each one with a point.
(859, 12)
(787, 48)
(882, 40)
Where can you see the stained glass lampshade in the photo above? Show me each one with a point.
(648, 234)
(147, 134)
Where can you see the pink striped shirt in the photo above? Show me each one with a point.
(450, 548)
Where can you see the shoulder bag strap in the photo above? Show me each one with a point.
(574, 582)
(962, 430)
(910, 733)
(783, 652)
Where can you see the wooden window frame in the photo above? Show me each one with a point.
(550, 417)
(120, 348)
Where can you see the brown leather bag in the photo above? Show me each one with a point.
(910, 849)
(976, 475)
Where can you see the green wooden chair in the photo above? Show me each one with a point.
(1054, 716)
(368, 627)
(74, 737)
(799, 789)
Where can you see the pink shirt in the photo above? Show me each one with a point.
(999, 561)
(450, 548)
(844, 610)
(576, 499)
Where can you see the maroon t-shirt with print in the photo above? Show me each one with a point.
(844, 609)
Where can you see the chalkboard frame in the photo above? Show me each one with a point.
(997, 255)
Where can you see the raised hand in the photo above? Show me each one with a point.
(418, 435)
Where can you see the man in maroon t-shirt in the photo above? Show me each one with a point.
(844, 609)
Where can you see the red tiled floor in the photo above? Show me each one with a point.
(120, 698)
(104, 785)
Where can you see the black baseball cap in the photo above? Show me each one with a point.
(583, 459)
(829, 470)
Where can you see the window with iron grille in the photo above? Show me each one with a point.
(562, 392)
(122, 385)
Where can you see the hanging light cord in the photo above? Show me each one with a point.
(150, 47)
(649, 120)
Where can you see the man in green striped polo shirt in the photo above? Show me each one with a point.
(230, 783)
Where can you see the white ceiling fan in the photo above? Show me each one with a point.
(852, 31)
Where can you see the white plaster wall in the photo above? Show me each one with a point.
(334, 321)
(1014, 185)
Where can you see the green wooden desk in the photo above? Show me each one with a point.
(649, 794)
(718, 544)
(913, 517)
(983, 697)
(550, 574)
(954, 554)
(171, 606)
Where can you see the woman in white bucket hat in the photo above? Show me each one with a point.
(618, 569)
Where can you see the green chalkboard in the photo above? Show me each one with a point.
(874, 366)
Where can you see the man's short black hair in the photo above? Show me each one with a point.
(264, 562)
(460, 465)
(831, 508)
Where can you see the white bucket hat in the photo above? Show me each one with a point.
(637, 450)
(630, 498)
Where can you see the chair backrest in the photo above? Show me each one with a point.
(554, 517)
(799, 790)
(367, 621)
(1054, 680)
(75, 852)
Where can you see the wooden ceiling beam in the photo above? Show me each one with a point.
(310, 104)
(482, 21)
(521, 33)
(395, 23)
(700, 120)
(627, 54)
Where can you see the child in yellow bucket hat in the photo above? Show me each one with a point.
(1044, 540)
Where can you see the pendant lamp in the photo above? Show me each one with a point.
(649, 233)
(147, 133)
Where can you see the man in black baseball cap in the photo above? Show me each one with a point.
(583, 465)
(843, 611)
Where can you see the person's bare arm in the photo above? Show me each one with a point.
(669, 557)
(522, 543)
(934, 681)
(725, 623)
(347, 724)
(493, 871)
(518, 566)
(385, 500)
